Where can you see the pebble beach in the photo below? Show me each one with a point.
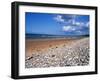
(57, 53)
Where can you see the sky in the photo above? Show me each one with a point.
(56, 24)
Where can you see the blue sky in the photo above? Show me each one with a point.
(56, 24)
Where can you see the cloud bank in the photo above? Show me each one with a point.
(73, 23)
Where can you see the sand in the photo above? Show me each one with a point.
(33, 45)
(57, 52)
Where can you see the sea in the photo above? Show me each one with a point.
(47, 36)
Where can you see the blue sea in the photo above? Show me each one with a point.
(44, 36)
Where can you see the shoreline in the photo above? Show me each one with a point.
(44, 39)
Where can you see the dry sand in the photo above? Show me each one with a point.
(33, 45)
(57, 52)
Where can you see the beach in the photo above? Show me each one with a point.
(61, 52)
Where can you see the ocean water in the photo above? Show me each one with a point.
(44, 36)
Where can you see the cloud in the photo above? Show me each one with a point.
(79, 32)
(59, 18)
(68, 28)
(72, 29)
(72, 24)
(72, 20)
(87, 24)
(80, 24)
(77, 27)
(66, 19)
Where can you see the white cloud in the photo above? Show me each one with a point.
(78, 23)
(59, 18)
(70, 24)
(87, 24)
(81, 24)
(68, 28)
(79, 32)
(76, 27)
(71, 19)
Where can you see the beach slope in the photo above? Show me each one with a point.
(57, 52)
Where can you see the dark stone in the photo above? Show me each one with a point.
(53, 55)
(30, 58)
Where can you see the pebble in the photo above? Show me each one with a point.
(73, 55)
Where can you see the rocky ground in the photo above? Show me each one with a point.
(75, 54)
